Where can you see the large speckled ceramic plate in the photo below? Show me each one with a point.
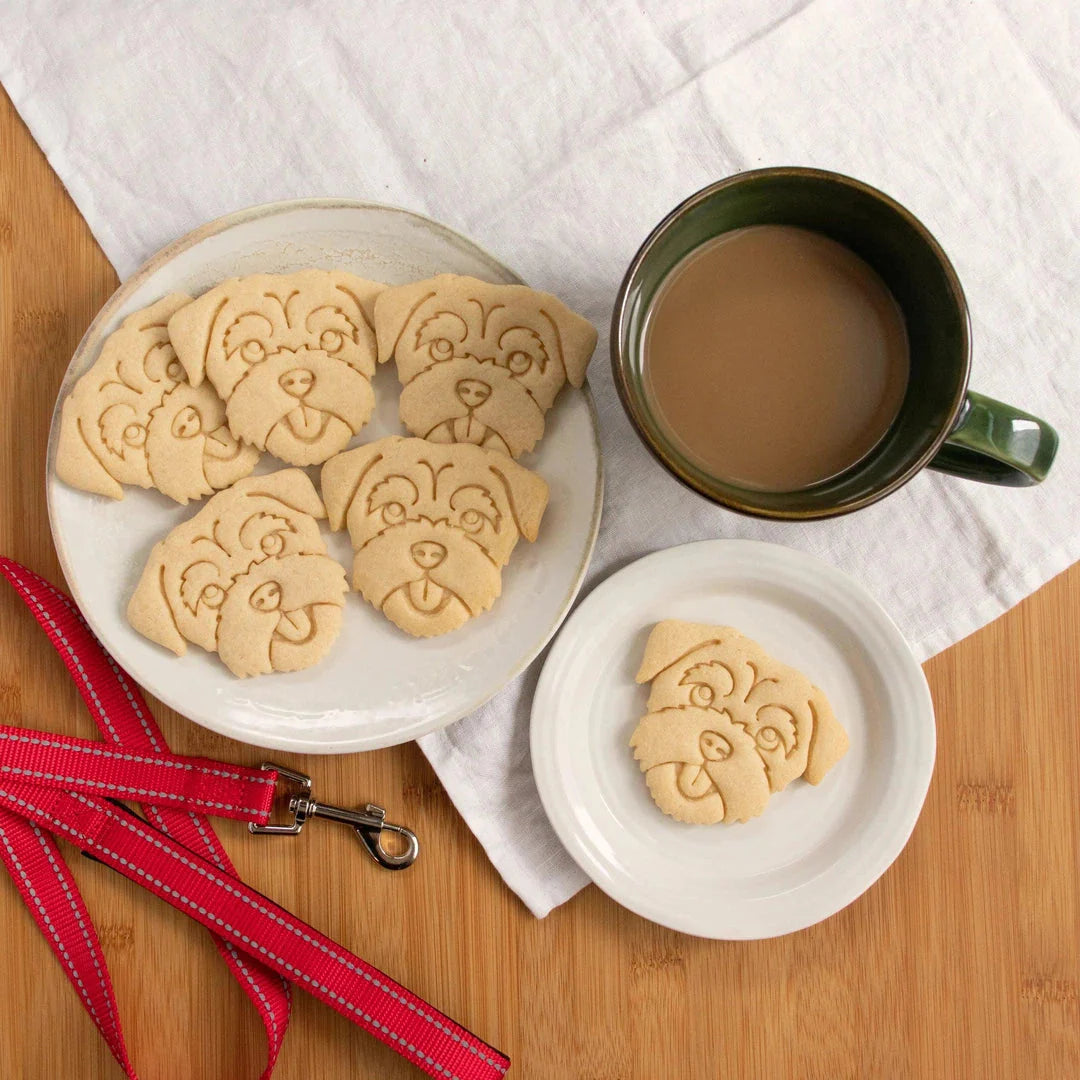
(378, 686)
(814, 849)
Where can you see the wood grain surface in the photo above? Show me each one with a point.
(964, 960)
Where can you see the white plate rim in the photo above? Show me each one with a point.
(86, 351)
(553, 796)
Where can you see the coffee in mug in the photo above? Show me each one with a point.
(775, 357)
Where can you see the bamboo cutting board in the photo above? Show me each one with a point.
(964, 960)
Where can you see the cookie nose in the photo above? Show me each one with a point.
(472, 392)
(297, 382)
(427, 554)
(714, 747)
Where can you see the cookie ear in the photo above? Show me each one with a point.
(828, 742)
(577, 337)
(528, 494)
(393, 308)
(149, 611)
(291, 487)
(341, 477)
(671, 640)
(364, 292)
(75, 463)
(189, 332)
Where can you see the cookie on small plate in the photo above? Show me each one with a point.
(480, 363)
(134, 418)
(292, 356)
(247, 577)
(728, 725)
(432, 526)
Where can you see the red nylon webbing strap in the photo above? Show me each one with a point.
(55, 784)
(121, 714)
(48, 890)
(84, 765)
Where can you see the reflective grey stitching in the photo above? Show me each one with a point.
(165, 763)
(45, 846)
(117, 671)
(228, 927)
(299, 933)
(156, 745)
(173, 853)
(36, 774)
(215, 857)
(208, 839)
(267, 1012)
(71, 652)
(52, 929)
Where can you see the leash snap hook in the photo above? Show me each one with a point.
(371, 836)
(369, 824)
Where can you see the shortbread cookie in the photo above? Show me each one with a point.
(247, 577)
(292, 356)
(432, 526)
(133, 418)
(480, 363)
(728, 725)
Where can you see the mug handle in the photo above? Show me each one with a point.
(997, 444)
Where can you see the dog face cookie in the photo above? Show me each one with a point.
(291, 355)
(133, 418)
(432, 526)
(480, 363)
(728, 725)
(247, 577)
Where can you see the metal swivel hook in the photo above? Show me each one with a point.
(369, 823)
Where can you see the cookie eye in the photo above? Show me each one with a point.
(213, 596)
(187, 423)
(701, 694)
(134, 435)
(393, 513)
(714, 747)
(473, 521)
(441, 349)
(253, 351)
(331, 340)
(519, 362)
(272, 543)
(768, 738)
(175, 370)
(267, 597)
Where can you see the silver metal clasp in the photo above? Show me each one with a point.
(369, 823)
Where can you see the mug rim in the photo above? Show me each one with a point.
(660, 450)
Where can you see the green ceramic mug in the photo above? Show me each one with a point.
(941, 424)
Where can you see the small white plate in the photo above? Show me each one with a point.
(815, 849)
(378, 686)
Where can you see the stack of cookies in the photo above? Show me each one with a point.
(188, 394)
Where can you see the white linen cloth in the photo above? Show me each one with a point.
(556, 133)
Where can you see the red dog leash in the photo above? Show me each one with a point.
(53, 785)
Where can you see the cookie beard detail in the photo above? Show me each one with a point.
(298, 425)
(277, 639)
(291, 636)
(700, 766)
(443, 404)
(191, 468)
(426, 601)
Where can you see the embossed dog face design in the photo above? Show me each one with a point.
(133, 418)
(728, 725)
(480, 363)
(247, 577)
(432, 526)
(292, 356)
